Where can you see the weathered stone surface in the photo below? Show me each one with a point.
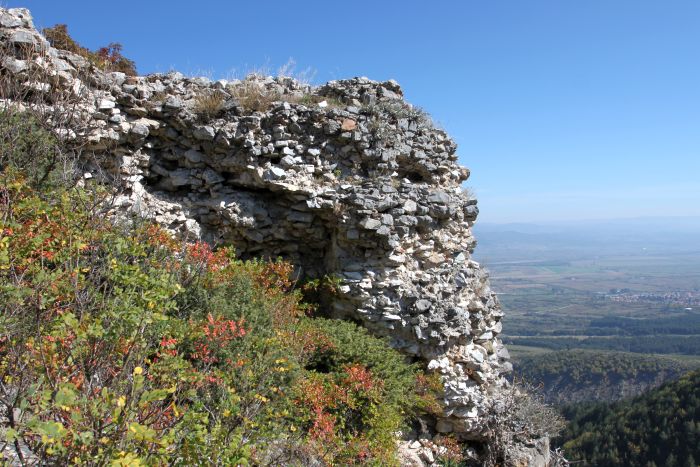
(368, 190)
(106, 104)
(13, 65)
(370, 224)
(27, 38)
(8, 20)
(206, 133)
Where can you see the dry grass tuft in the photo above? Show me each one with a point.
(209, 105)
(252, 95)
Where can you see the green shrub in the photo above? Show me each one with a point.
(26, 146)
(351, 344)
(357, 392)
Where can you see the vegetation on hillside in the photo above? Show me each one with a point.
(659, 428)
(568, 376)
(107, 58)
(121, 344)
(681, 324)
(686, 345)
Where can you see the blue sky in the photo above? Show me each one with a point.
(562, 110)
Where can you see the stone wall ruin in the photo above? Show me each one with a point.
(344, 179)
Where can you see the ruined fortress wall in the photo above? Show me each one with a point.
(345, 180)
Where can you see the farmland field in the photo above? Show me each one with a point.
(563, 291)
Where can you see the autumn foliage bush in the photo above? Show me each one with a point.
(107, 58)
(122, 345)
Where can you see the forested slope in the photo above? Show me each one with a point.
(660, 428)
(570, 376)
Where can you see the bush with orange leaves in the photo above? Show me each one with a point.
(108, 58)
(120, 344)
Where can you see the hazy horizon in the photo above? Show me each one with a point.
(688, 220)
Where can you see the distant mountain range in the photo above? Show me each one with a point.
(571, 239)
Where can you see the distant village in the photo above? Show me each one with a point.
(687, 299)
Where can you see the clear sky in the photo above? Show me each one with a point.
(561, 109)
